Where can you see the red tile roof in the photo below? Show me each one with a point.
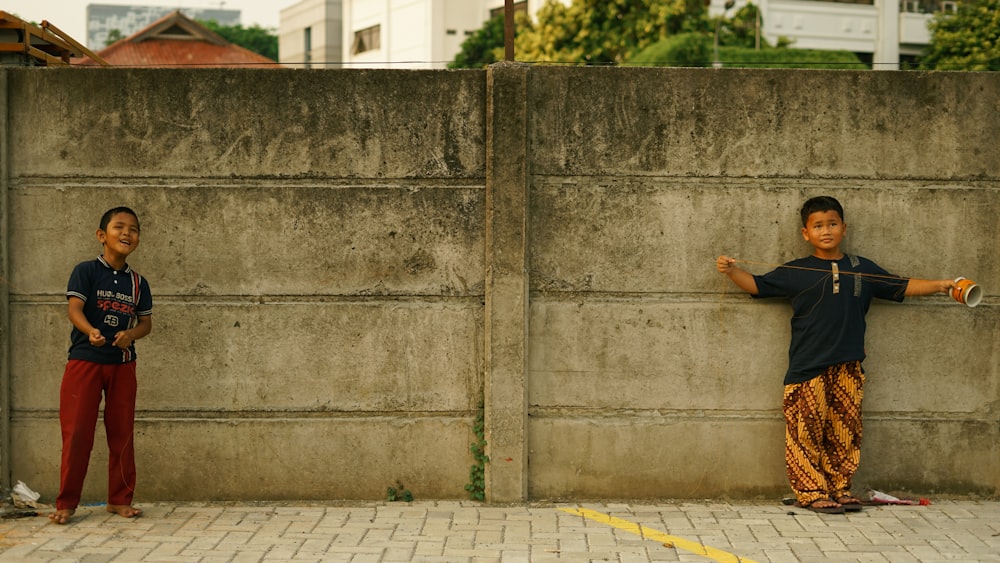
(178, 41)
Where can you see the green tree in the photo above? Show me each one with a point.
(604, 31)
(113, 36)
(683, 49)
(968, 39)
(695, 50)
(483, 47)
(741, 29)
(254, 38)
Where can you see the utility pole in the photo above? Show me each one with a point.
(508, 30)
(716, 63)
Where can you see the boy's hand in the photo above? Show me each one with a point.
(725, 264)
(96, 338)
(122, 340)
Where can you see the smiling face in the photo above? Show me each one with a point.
(825, 230)
(120, 237)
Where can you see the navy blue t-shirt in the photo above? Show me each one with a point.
(112, 301)
(828, 328)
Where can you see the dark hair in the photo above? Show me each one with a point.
(106, 218)
(820, 203)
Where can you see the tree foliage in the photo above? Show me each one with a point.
(695, 50)
(782, 57)
(114, 36)
(741, 29)
(254, 38)
(683, 49)
(968, 39)
(483, 47)
(604, 31)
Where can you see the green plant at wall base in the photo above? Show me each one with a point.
(477, 473)
(398, 493)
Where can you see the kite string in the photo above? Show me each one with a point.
(842, 272)
(886, 279)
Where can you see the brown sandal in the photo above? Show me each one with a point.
(850, 504)
(823, 506)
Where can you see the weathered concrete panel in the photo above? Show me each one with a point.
(689, 457)
(599, 353)
(257, 238)
(773, 123)
(268, 458)
(934, 358)
(281, 357)
(931, 455)
(598, 364)
(651, 235)
(655, 457)
(603, 355)
(134, 123)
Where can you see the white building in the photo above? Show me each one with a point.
(310, 34)
(429, 33)
(412, 33)
(384, 33)
(855, 26)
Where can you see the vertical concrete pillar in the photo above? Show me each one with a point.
(4, 287)
(506, 314)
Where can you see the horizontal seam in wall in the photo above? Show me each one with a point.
(253, 182)
(775, 182)
(266, 415)
(174, 299)
(652, 415)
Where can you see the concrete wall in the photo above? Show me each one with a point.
(347, 264)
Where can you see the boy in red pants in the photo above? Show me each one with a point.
(110, 308)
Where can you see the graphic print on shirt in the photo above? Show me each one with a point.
(115, 303)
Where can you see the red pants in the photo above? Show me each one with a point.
(79, 402)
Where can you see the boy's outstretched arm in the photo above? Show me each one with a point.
(740, 277)
(928, 287)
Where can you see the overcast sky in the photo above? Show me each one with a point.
(71, 15)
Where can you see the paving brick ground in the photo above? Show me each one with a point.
(455, 531)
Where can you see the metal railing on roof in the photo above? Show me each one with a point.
(26, 44)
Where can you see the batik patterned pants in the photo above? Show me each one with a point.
(823, 432)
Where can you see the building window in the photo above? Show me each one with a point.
(307, 45)
(366, 40)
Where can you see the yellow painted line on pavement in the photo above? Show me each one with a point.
(658, 536)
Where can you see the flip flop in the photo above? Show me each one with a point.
(822, 509)
(850, 504)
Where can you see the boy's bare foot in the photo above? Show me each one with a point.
(61, 516)
(124, 510)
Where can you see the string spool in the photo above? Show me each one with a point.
(966, 291)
